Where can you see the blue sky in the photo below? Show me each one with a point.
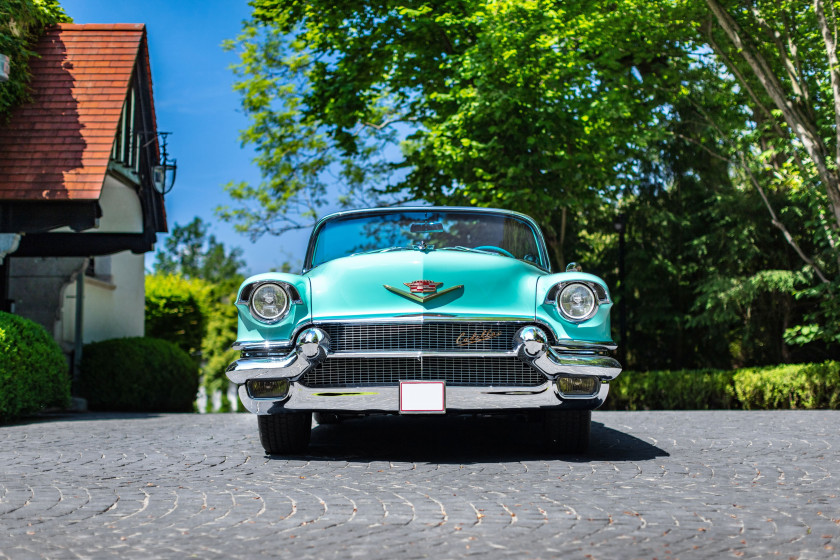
(194, 99)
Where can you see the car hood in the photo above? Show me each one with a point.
(354, 287)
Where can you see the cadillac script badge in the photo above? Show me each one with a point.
(422, 290)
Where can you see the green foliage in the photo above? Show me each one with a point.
(21, 23)
(510, 104)
(191, 261)
(189, 252)
(573, 113)
(176, 311)
(138, 374)
(799, 386)
(33, 369)
(672, 390)
(792, 386)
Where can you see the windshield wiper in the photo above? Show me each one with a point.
(470, 249)
(385, 250)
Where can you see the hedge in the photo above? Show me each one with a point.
(175, 310)
(33, 369)
(138, 374)
(795, 386)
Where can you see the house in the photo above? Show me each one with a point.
(78, 207)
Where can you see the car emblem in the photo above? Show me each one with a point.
(422, 290)
(423, 286)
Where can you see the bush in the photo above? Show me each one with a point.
(807, 386)
(789, 386)
(138, 374)
(175, 311)
(672, 390)
(33, 370)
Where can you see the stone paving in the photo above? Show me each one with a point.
(655, 485)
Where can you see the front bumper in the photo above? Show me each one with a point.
(529, 345)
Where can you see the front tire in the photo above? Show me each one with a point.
(567, 431)
(284, 434)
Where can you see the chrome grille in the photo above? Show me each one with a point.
(495, 372)
(355, 337)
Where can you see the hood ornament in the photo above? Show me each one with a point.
(422, 291)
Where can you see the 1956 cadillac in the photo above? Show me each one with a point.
(426, 310)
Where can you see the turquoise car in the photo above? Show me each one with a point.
(429, 310)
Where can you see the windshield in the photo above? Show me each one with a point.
(480, 232)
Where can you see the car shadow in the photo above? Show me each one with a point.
(461, 440)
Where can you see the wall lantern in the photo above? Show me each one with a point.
(5, 68)
(163, 174)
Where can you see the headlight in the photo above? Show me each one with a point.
(577, 302)
(269, 303)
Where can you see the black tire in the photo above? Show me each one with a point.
(284, 434)
(324, 418)
(567, 431)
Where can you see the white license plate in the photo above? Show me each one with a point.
(422, 397)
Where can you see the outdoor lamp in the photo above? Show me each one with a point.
(163, 174)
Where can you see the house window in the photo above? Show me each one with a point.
(126, 146)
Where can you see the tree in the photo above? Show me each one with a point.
(189, 252)
(21, 23)
(708, 122)
(213, 274)
(783, 58)
(522, 105)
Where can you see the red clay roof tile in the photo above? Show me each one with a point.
(58, 146)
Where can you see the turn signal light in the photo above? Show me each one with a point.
(577, 385)
(268, 388)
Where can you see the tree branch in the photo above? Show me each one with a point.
(778, 224)
(833, 69)
(804, 128)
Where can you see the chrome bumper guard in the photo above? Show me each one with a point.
(530, 345)
(313, 345)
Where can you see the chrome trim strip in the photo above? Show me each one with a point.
(599, 346)
(421, 354)
(375, 398)
(427, 318)
(274, 346)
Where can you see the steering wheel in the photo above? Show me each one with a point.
(495, 249)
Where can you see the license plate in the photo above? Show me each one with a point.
(422, 397)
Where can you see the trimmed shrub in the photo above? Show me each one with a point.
(175, 311)
(807, 386)
(33, 370)
(672, 390)
(789, 386)
(138, 374)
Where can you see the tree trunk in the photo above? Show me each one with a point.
(803, 127)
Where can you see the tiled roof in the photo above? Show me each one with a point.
(57, 147)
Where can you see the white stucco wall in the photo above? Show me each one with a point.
(121, 210)
(112, 309)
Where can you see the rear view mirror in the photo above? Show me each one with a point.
(427, 227)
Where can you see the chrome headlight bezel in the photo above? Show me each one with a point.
(598, 292)
(287, 304)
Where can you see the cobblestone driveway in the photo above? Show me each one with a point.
(656, 485)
